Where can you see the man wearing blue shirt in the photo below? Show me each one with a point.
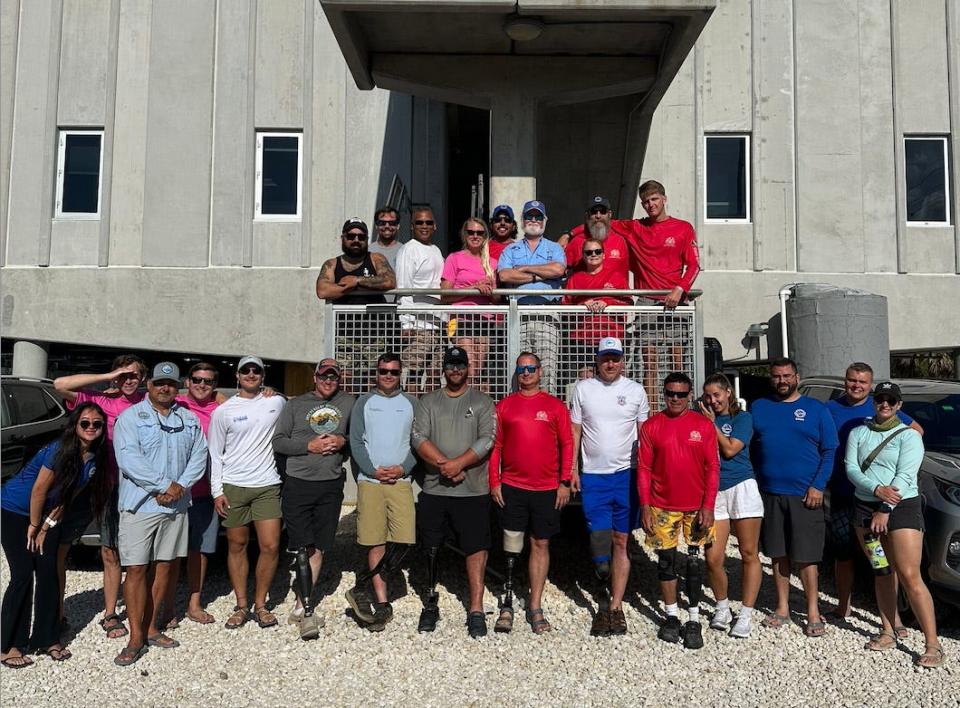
(795, 440)
(537, 264)
(161, 453)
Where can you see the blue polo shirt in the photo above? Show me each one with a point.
(16, 492)
(519, 254)
(738, 468)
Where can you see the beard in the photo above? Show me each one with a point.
(533, 228)
(358, 251)
(598, 229)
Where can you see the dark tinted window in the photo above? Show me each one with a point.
(939, 415)
(29, 404)
(926, 175)
(727, 177)
(280, 173)
(81, 174)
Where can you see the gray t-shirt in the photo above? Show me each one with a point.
(302, 419)
(389, 253)
(453, 425)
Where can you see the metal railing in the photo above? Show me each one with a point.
(656, 341)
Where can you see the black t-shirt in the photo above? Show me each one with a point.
(360, 295)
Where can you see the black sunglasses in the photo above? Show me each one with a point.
(599, 210)
(423, 222)
(384, 222)
(170, 428)
(676, 394)
(454, 367)
(593, 251)
(354, 237)
(475, 232)
(250, 370)
(388, 372)
(95, 424)
(202, 381)
(533, 216)
(328, 377)
(527, 369)
(503, 220)
(889, 400)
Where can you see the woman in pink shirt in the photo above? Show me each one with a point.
(472, 267)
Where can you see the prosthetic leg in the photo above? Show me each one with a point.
(310, 623)
(431, 612)
(390, 562)
(601, 546)
(692, 637)
(373, 614)
(513, 547)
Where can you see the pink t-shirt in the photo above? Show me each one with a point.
(113, 406)
(462, 269)
(203, 410)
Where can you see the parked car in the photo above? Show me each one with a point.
(32, 415)
(935, 405)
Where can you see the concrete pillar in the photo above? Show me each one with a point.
(513, 149)
(30, 359)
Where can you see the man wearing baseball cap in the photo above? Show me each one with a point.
(245, 486)
(607, 413)
(453, 429)
(536, 264)
(312, 434)
(357, 276)
(161, 453)
(596, 225)
(503, 229)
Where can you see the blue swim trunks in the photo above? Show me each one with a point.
(610, 501)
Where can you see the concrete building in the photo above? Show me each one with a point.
(172, 174)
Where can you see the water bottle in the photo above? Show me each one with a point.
(878, 559)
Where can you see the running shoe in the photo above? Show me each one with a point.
(429, 616)
(310, 626)
(692, 638)
(382, 614)
(670, 630)
(477, 625)
(721, 619)
(360, 603)
(741, 629)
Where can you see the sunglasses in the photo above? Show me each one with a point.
(503, 220)
(454, 367)
(593, 251)
(354, 237)
(534, 216)
(328, 377)
(202, 381)
(388, 372)
(170, 428)
(164, 384)
(527, 369)
(599, 210)
(423, 222)
(95, 424)
(676, 394)
(248, 370)
(384, 222)
(475, 232)
(889, 400)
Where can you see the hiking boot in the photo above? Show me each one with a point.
(382, 614)
(310, 626)
(429, 616)
(477, 625)
(721, 619)
(692, 638)
(670, 630)
(360, 603)
(618, 623)
(601, 624)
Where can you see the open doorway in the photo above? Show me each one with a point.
(468, 167)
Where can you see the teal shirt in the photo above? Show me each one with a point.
(392, 419)
(897, 464)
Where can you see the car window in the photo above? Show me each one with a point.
(940, 417)
(822, 393)
(4, 411)
(31, 403)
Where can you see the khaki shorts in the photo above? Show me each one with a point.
(667, 526)
(385, 513)
(147, 537)
(251, 504)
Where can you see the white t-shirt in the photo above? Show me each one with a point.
(240, 440)
(419, 265)
(608, 413)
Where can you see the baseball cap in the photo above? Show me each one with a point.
(250, 359)
(455, 355)
(354, 222)
(535, 205)
(165, 371)
(502, 209)
(888, 388)
(610, 345)
(328, 365)
(599, 201)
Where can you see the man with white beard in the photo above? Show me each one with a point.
(536, 263)
(596, 224)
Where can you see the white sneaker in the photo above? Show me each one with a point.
(721, 619)
(741, 629)
(295, 616)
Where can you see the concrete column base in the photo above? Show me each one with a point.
(30, 359)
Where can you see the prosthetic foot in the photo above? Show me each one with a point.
(310, 623)
(431, 610)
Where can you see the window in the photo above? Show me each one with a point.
(928, 180)
(79, 162)
(727, 184)
(29, 404)
(279, 177)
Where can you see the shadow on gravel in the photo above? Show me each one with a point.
(81, 609)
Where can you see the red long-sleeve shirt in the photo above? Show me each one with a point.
(679, 465)
(533, 447)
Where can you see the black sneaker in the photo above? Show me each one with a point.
(601, 624)
(670, 630)
(360, 603)
(382, 614)
(477, 624)
(429, 616)
(692, 639)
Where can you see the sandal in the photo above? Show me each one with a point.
(504, 622)
(130, 655)
(112, 623)
(881, 642)
(931, 658)
(238, 618)
(901, 631)
(17, 662)
(775, 621)
(162, 641)
(264, 617)
(203, 618)
(539, 626)
(815, 629)
(57, 653)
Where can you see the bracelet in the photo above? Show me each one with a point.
(35, 526)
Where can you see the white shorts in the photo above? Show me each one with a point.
(149, 537)
(741, 501)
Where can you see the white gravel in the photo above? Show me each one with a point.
(349, 665)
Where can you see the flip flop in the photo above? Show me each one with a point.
(205, 618)
(57, 653)
(17, 662)
(113, 623)
(162, 641)
(815, 629)
(775, 621)
(130, 655)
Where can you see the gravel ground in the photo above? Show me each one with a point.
(349, 665)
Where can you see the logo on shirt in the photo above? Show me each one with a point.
(695, 436)
(669, 241)
(542, 415)
(726, 429)
(324, 418)
(799, 415)
(143, 414)
(239, 418)
(621, 400)
(615, 253)
(469, 413)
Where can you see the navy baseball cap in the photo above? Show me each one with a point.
(535, 205)
(502, 209)
(598, 202)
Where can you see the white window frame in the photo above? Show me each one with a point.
(748, 167)
(258, 215)
(61, 159)
(948, 217)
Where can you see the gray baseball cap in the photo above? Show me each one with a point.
(166, 371)
(250, 359)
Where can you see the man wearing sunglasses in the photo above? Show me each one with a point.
(678, 474)
(530, 470)
(245, 486)
(596, 225)
(161, 454)
(453, 429)
(380, 427)
(312, 435)
(503, 230)
(607, 412)
(387, 242)
(357, 276)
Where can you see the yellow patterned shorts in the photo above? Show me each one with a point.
(666, 530)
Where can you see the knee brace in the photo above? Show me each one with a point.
(393, 558)
(601, 543)
(433, 569)
(304, 578)
(666, 565)
(513, 541)
(694, 576)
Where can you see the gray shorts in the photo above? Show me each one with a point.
(148, 537)
(204, 526)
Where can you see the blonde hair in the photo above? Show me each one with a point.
(484, 249)
(723, 382)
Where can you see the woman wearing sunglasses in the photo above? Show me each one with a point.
(472, 267)
(33, 503)
(883, 458)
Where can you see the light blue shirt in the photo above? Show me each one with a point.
(897, 464)
(519, 254)
(150, 458)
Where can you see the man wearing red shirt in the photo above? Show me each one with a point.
(530, 471)
(597, 224)
(503, 230)
(677, 478)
